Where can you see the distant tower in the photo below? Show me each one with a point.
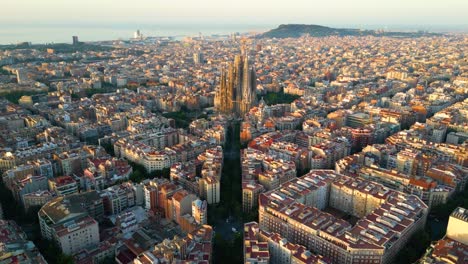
(75, 40)
(198, 57)
(22, 76)
(237, 89)
(137, 35)
(233, 37)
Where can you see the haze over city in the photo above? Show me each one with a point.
(46, 21)
(333, 12)
(228, 132)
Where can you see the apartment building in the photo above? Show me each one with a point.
(63, 185)
(453, 247)
(71, 221)
(210, 189)
(28, 185)
(117, 198)
(37, 198)
(262, 247)
(250, 193)
(181, 205)
(255, 252)
(76, 235)
(375, 238)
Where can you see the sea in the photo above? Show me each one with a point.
(62, 33)
(13, 33)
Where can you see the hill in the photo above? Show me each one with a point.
(298, 30)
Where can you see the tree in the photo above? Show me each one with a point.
(4, 72)
(52, 253)
(107, 260)
(137, 176)
(301, 172)
(278, 98)
(251, 216)
(15, 96)
(32, 211)
(109, 148)
(164, 173)
(11, 208)
(414, 249)
(65, 259)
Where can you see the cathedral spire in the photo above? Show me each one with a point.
(236, 92)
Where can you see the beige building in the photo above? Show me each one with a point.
(28, 185)
(390, 224)
(66, 210)
(146, 155)
(250, 193)
(118, 198)
(74, 236)
(357, 197)
(38, 198)
(255, 252)
(7, 161)
(457, 228)
(453, 247)
(181, 205)
(18, 173)
(261, 247)
(72, 162)
(210, 189)
(272, 179)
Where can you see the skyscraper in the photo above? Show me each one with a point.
(137, 35)
(198, 57)
(236, 91)
(75, 40)
(22, 76)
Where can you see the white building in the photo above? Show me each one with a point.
(210, 187)
(457, 228)
(74, 236)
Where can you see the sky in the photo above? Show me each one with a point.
(254, 12)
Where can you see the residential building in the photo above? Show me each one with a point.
(63, 185)
(210, 189)
(76, 235)
(37, 199)
(117, 198)
(250, 193)
(200, 211)
(64, 211)
(181, 205)
(397, 216)
(457, 228)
